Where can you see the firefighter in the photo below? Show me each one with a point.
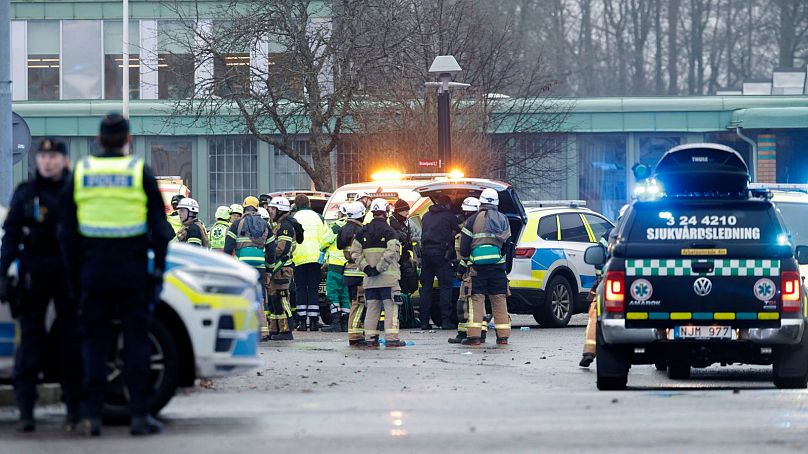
(251, 241)
(281, 270)
(308, 264)
(192, 230)
(218, 232)
(470, 206)
(30, 237)
(353, 276)
(590, 334)
(376, 251)
(236, 212)
(174, 216)
(482, 242)
(113, 216)
(336, 291)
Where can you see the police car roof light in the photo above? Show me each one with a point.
(553, 203)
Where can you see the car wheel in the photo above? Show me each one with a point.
(678, 370)
(790, 369)
(558, 302)
(661, 366)
(612, 365)
(163, 373)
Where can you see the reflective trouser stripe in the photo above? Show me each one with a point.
(591, 328)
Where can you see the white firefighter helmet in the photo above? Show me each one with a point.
(263, 213)
(489, 197)
(470, 204)
(355, 210)
(281, 203)
(379, 205)
(236, 208)
(360, 195)
(223, 213)
(189, 204)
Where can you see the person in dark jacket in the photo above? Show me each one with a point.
(353, 276)
(113, 216)
(30, 237)
(439, 227)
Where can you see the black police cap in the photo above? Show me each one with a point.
(52, 145)
(114, 124)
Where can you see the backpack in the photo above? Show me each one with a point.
(298, 229)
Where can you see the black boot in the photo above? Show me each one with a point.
(314, 323)
(287, 336)
(586, 359)
(145, 425)
(482, 336)
(90, 427)
(343, 323)
(301, 324)
(26, 424)
(336, 324)
(457, 339)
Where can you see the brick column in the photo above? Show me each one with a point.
(767, 158)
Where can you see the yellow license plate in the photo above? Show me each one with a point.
(704, 252)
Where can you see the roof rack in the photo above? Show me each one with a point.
(553, 203)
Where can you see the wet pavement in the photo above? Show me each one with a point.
(317, 394)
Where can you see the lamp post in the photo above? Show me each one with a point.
(444, 66)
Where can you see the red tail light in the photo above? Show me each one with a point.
(615, 291)
(524, 252)
(790, 290)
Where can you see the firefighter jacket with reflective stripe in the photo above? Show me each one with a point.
(193, 232)
(333, 254)
(110, 199)
(250, 246)
(480, 245)
(377, 246)
(217, 235)
(314, 229)
(284, 243)
(345, 239)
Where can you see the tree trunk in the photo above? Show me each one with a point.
(587, 57)
(787, 10)
(673, 47)
(659, 83)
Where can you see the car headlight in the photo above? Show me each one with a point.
(210, 282)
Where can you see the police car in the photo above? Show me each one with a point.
(702, 273)
(206, 327)
(549, 278)
(791, 200)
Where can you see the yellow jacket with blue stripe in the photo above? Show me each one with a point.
(333, 254)
(314, 229)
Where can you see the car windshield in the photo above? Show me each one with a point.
(794, 214)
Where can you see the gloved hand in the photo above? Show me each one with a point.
(371, 271)
(398, 299)
(5, 289)
(461, 270)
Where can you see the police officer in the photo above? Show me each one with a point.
(353, 276)
(280, 270)
(218, 231)
(192, 230)
(263, 201)
(469, 207)
(483, 240)
(113, 215)
(335, 289)
(251, 241)
(30, 237)
(174, 216)
(307, 259)
(375, 250)
(439, 227)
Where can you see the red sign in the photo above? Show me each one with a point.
(429, 163)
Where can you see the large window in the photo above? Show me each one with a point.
(43, 60)
(602, 172)
(288, 173)
(81, 59)
(113, 60)
(172, 157)
(231, 68)
(175, 61)
(233, 167)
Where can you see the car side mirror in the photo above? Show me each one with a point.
(802, 255)
(596, 255)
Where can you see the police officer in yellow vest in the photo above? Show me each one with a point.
(113, 216)
(482, 242)
(174, 216)
(251, 241)
(308, 264)
(218, 231)
(335, 289)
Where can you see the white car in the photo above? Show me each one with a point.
(549, 278)
(205, 327)
(791, 200)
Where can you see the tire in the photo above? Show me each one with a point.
(558, 304)
(612, 365)
(164, 376)
(790, 369)
(678, 370)
(661, 366)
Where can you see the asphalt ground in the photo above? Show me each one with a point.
(317, 394)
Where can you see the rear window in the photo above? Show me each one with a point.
(794, 215)
(742, 222)
(389, 192)
(548, 228)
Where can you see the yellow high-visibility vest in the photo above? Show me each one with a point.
(110, 199)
